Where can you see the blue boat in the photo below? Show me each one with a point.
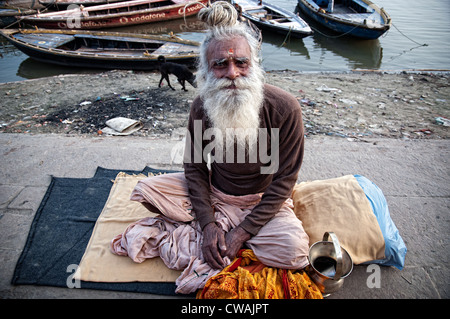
(357, 18)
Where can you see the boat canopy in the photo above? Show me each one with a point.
(51, 40)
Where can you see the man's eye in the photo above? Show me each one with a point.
(242, 63)
(219, 64)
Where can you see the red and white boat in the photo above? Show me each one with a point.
(116, 14)
(66, 4)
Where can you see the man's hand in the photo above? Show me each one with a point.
(214, 245)
(234, 240)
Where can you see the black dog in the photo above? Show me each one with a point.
(180, 71)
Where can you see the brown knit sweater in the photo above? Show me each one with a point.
(280, 111)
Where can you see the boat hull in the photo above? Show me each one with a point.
(293, 33)
(341, 26)
(115, 20)
(66, 4)
(97, 60)
(8, 16)
(296, 27)
(98, 63)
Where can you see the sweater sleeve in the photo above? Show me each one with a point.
(195, 167)
(291, 148)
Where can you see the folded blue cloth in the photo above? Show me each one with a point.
(395, 248)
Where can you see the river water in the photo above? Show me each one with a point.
(418, 39)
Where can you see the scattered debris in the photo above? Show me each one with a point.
(356, 107)
(324, 88)
(348, 101)
(129, 98)
(407, 280)
(442, 121)
(121, 126)
(149, 112)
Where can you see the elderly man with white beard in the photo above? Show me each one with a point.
(234, 99)
(244, 149)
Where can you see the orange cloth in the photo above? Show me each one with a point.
(247, 278)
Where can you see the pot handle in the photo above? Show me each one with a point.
(338, 252)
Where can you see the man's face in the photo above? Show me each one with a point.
(229, 59)
(233, 89)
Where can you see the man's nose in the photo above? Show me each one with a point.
(232, 71)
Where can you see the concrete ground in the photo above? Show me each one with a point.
(413, 174)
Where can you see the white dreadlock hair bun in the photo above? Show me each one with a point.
(222, 21)
(219, 14)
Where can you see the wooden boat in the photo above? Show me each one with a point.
(9, 15)
(267, 16)
(97, 49)
(116, 14)
(358, 18)
(65, 4)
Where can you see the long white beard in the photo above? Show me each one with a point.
(234, 111)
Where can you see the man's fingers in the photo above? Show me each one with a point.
(217, 257)
(211, 261)
(221, 242)
(213, 245)
(235, 239)
(214, 259)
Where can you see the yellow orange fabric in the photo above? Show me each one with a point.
(247, 278)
